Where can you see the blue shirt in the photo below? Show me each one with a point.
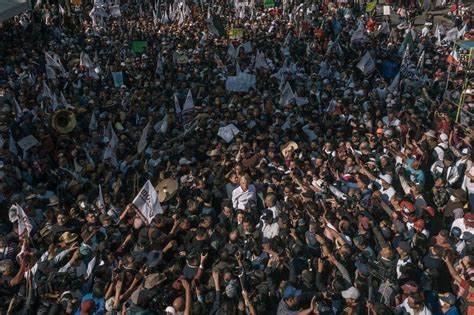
(453, 310)
(99, 305)
(416, 175)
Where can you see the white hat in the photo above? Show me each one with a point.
(183, 161)
(443, 137)
(430, 133)
(170, 309)
(387, 178)
(351, 293)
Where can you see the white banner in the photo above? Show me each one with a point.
(146, 202)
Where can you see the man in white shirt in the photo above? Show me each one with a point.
(243, 194)
(268, 226)
(413, 304)
(465, 224)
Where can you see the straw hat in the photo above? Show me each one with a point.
(166, 189)
(287, 147)
(68, 237)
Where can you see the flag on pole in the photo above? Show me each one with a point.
(421, 60)
(453, 57)
(451, 35)
(162, 125)
(437, 34)
(17, 109)
(366, 64)
(143, 139)
(394, 84)
(177, 107)
(85, 60)
(12, 145)
(93, 125)
(189, 103)
(100, 201)
(146, 202)
(287, 94)
(24, 225)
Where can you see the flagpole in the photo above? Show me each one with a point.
(449, 74)
(461, 99)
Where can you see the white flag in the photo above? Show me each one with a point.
(24, 224)
(451, 35)
(100, 201)
(50, 74)
(260, 61)
(143, 139)
(462, 31)
(394, 85)
(437, 34)
(228, 132)
(287, 94)
(61, 10)
(12, 145)
(85, 61)
(93, 125)
(177, 107)
(366, 64)
(358, 34)
(90, 267)
(162, 125)
(237, 69)
(146, 202)
(189, 103)
(421, 60)
(52, 62)
(46, 91)
(17, 108)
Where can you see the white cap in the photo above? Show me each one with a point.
(443, 137)
(387, 178)
(184, 161)
(170, 309)
(351, 293)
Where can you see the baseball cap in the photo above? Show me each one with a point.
(291, 292)
(407, 207)
(351, 293)
(469, 219)
(419, 224)
(386, 177)
(447, 297)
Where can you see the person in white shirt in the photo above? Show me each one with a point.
(268, 226)
(413, 304)
(468, 185)
(465, 224)
(272, 204)
(243, 194)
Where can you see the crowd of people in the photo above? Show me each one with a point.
(308, 158)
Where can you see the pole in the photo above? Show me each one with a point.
(449, 74)
(461, 99)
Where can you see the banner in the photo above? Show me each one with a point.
(236, 33)
(228, 132)
(366, 64)
(240, 83)
(267, 4)
(24, 224)
(142, 143)
(146, 202)
(118, 79)
(139, 46)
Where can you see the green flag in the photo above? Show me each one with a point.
(370, 6)
(138, 46)
(267, 4)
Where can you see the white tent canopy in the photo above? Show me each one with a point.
(10, 8)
